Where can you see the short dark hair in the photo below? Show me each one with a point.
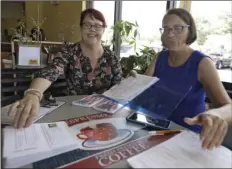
(92, 13)
(188, 19)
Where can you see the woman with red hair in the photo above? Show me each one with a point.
(88, 67)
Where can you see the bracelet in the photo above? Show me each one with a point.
(34, 90)
(32, 93)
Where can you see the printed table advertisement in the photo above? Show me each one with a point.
(103, 140)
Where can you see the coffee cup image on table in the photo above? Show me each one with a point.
(101, 132)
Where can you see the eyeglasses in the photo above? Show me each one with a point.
(97, 27)
(174, 29)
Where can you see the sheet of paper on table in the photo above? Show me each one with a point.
(182, 151)
(130, 87)
(6, 119)
(37, 142)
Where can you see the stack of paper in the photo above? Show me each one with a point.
(116, 97)
(182, 151)
(108, 106)
(6, 119)
(100, 103)
(37, 142)
(130, 87)
(88, 101)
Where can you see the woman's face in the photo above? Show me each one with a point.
(175, 32)
(92, 30)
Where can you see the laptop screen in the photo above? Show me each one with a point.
(159, 101)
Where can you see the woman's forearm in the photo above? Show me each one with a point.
(40, 84)
(225, 112)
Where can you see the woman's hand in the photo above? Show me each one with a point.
(214, 128)
(25, 110)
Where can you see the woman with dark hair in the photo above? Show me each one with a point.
(183, 67)
(87, 65)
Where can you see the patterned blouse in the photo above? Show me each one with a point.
(81, 78)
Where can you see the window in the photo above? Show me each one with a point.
(177, 4)
(149, 15)
(107, 9)
(214, 33)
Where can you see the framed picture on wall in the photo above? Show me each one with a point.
(29, 55)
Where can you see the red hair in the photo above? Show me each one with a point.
(93, 13)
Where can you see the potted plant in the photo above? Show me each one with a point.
(138, 62)
(129, 33)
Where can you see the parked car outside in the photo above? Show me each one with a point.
(221, 61)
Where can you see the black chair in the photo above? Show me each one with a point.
(228, 87)
(228, 139)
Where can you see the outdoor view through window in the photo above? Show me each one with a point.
(213, 20)
(214, 24)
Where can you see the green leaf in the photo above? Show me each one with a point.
(127, 29)
(146, 49)
(135, 33)
(136, 23)
(135, 47)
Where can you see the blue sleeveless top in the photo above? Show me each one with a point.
(183, 77)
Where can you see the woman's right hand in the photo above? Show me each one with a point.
(25, 110)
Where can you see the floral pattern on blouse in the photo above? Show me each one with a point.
(81, 78)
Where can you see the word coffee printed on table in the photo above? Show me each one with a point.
(116, 154)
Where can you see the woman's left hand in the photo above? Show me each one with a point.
(214, 128)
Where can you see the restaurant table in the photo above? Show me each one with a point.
(68, 111)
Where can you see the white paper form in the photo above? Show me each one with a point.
(6, 119)
(182, 151)
(25, 141)
(37, 142)
(130, 87)
(55, 134)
